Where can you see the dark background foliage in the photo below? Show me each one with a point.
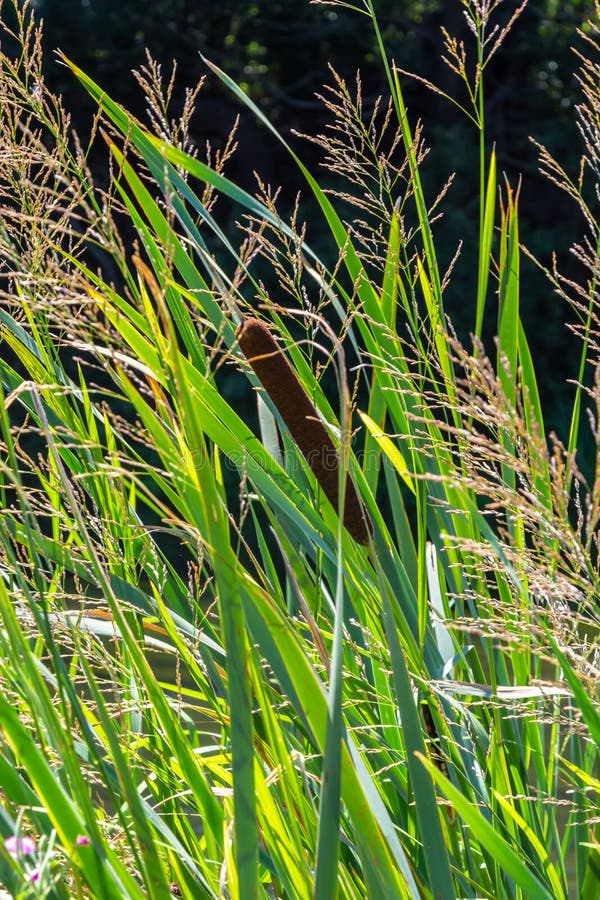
(279, 51)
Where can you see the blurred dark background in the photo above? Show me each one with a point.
(279, 51)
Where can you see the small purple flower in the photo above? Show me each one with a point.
(82, 841)
(34, 875)
(19, 846)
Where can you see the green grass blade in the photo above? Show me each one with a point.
(508, 292)
(102, 870)
(428, 813)
(500, 850)
(485, 246)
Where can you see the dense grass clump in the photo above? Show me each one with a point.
(351, 651)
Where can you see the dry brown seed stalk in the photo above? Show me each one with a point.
(301, 417)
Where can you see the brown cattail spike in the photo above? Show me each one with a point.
(301, 417)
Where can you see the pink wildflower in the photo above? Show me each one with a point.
(19, 846)
(82, 841)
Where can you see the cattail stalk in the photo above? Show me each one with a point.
(301, 417)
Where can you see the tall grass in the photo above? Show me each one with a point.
(381, 647)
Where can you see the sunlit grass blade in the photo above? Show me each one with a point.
(485, 247)
(428, 812)
(506, 857)
(508, 295)
(279, 646)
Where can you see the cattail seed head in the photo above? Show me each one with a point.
(301, 417)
